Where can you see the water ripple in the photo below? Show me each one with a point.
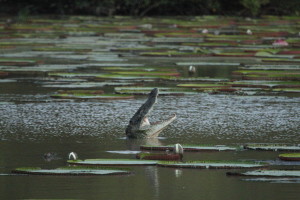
(199, 116)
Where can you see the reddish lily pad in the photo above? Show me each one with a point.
(290, 156)
(18, 62)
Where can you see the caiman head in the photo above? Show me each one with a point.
(139, 125)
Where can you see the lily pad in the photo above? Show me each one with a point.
(158, 156)
(89, 94)
(84, 84)
(267, 74)
(73, 171)
(212, 164)
(290, 156)
(272, 147)
(124, 152)
(234, 54)
(269, 55)
(207, 64)
(203, 85)
(112, 162)
(189, 147)
(146, 91)
(148, 73)
(267, 173)
(18, 62)
(272, 67)
(171, 54)
(281, 60)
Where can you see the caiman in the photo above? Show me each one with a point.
(139, 125)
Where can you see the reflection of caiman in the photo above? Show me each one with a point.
(139, 125)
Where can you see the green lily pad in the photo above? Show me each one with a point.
(290, 156)
(84, 84)
(73, 171)
(267, 84)
(211, 164)
(272, 67)
(272, 147)
(234, 54)
(112, 162)
(203, 85)
(268, 173)
(269, 55)
(89, 94)
(207, 64)
(267, 74)
(287, 90)
(148, 73)
(158, 156)
(171, 54)
(147, 90)
(208, 87)
(281, 60)
(189, 147)
(59, 49)
(199, 79)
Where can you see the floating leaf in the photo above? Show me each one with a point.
(290, 156)
(272, 147)
(147, 90)
(189, 147)
(207, 64)
(211, 164)
(112, 162)
(268, 173)
(158, 156)
(89, 94)
(73, 171)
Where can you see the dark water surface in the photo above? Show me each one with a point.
(31, 126)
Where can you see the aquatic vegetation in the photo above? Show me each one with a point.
(212, 164)
(290, 156)
(268, 173)
(89, 94)
(70, 171)
(18, 62)
(272, 147)
(112, 162)
(146, 90)
(158, 156)
(191, 147)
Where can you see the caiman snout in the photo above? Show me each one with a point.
(139, 125)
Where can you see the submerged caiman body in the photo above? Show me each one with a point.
(139, 125)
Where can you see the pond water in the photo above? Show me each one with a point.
(32, 123)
